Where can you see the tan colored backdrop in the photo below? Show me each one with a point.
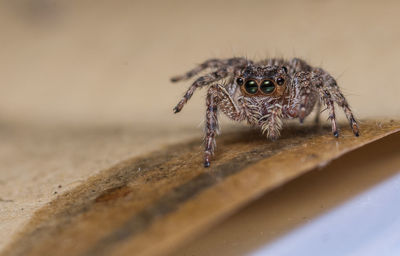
(110, 61)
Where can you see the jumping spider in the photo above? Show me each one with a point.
(263, 93)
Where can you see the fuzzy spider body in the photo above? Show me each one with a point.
(263, 93)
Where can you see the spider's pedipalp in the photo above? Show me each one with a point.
(272, 125)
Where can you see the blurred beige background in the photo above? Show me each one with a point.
(85, 84)
(110, 61)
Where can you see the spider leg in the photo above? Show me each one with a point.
(330, 87)
(317, 112)
(305, 94)
(211, 126)
(211, 63)
(308, 87)
(327, 98)
(200, 82)
(298, 65)
(217, 96)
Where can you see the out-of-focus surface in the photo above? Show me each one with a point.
(154, 203)
(85, 84)
(347, 208)
(39, 163)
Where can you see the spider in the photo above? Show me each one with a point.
(263, 93)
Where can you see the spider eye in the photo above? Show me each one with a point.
(267, 86)
(239, 81)
(251, 87)
(280, 81)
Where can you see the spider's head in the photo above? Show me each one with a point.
(263, 81)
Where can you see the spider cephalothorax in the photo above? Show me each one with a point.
(264, 93)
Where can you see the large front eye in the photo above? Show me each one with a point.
(267, 86)
(251, 87)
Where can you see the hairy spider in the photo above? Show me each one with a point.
(263, 93)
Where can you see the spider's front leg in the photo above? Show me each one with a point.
(210, 64)
(223, 68)
(217, 96)
(200, 82)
